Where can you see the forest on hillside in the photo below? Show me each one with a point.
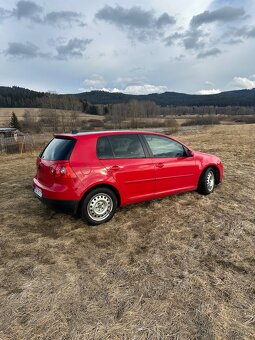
(20, 97)
(86, 102)
(223, 99)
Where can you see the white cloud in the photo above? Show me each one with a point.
(144, 89)
(105, 89)
(212, 91)
(131, 89)
(95, 82)
(124, 80)
(209, 83)
(243, 83)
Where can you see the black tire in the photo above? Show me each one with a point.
(92, 214)
(206, 182)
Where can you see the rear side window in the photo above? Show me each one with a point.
(104, 150)
(120, 146)
(126, 146)
(58, 149)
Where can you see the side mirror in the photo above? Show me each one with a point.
(189, 153)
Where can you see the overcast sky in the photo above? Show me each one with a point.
(134, 46)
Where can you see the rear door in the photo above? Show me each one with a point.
(174, 170)
(126, 158)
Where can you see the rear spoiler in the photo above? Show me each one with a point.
(64, 136)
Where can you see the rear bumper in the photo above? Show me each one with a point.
(70, 190)
(63, 205)
(61, 197)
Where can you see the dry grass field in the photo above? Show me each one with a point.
(177, 268)
(5, 114)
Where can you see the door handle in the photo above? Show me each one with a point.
(115, 167)
(159, 165)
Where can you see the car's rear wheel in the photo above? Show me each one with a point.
(206, 182)
(99, 206)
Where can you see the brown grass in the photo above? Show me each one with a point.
(5, 114)
(177, 268)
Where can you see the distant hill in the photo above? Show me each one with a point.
(20, 97)
(230, 98)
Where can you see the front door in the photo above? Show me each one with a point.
(174, 170)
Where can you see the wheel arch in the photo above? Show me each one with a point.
(100, 185)
(216, 172)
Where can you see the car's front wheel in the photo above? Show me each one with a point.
(206, 182)
(99, 206)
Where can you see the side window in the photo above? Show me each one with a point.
(164, 147)
(126, 146)
(104, 150)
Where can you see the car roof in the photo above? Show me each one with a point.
(84, 134)
(78, 135)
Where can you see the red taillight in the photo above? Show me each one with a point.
(63, 170)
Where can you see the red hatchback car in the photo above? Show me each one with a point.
(95, 172)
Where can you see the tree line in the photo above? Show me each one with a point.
(20, 97)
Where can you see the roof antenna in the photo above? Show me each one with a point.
(74, 132)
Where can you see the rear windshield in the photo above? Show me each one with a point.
(58, 149)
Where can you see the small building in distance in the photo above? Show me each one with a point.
(10, 139)
(10, 133)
